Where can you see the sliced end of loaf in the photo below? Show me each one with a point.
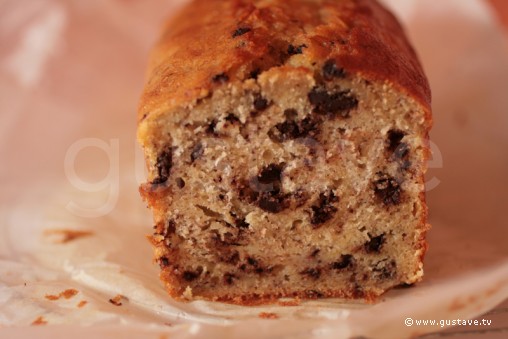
(293, 183)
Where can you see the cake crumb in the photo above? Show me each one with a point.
(82, 303)
(39, 321)
(67, 294)
(118, 299)
(63, 236)
(268, 315)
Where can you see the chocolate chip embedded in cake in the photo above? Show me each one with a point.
(294, 50)
(286, 146)
(331, 70)
(220, 78)
(241, 31)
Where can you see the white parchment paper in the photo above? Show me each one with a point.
(70, 76)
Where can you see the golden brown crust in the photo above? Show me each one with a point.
(244, 36)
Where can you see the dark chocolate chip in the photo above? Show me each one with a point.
(332, 104)
(394, 138)
(313, 272)
(231, 118)
(330, 70)
(163, 166)
(264, 190)
(323, 210)
(241, 223)
(210, 129)
(345, 261)
(269, 184)
(374, 244)
(190, 276)
(287, 130)
(290, 129)
(180, 183)
(292, 50)
(220, 78)
(269, 179)
(387, 189)
(260, 103)
(163, 262)
(271, 174)
(229, 278)
(254, 73)
(398, 149)
(253, 262)
(197, 152)
(259, 270)
(241, 31)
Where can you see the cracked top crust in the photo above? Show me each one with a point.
(246, 37)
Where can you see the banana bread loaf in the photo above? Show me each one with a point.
(286, 143)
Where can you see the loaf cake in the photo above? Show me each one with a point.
(286, 144)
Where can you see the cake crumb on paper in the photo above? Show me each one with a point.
(39, 321)
(118, 300)
(67, 294)
(82, 303)
(63, 236)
